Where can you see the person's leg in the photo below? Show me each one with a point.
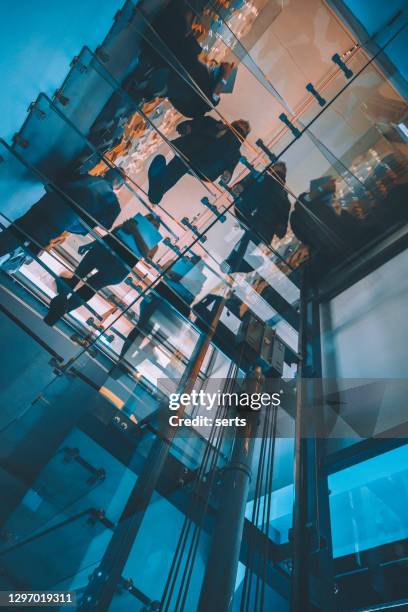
(174, 171)
(31, 228)
(163, 177)
(66, 285)
(9, 241)
(147, 308)
(109, 272)
(235, 260)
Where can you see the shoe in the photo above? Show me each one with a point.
(12, 262)
(56, 310)
(4, 259)
(155, 184)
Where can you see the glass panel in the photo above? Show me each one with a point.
(366, 501)
(39, 266)
(150, 573)
(56, 475)
(369, 141)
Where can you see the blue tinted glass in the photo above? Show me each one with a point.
(366, 503)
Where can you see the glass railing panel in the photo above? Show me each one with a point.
(367, 99)
(291, 61)
(28, 563)
(216, 40)
(102, 324)
(45, 142)
(369, 149)
(345, 58)
(120, 48)
(320, 183)
(41, 264)
(150, 571)
(82, 96)
(53, 470)
(330, 87)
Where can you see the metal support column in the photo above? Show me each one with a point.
(312, 576)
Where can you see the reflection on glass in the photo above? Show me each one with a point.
(366, 502)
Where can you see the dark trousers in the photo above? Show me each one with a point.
(43, 222)
(10, 240)
(236, 259)
(147, 308)
(172, 173)
(109, 271)
(29, 226)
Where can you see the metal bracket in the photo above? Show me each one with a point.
(174, 248)
(213, 209)
(337, 60)
(284, 118)
(61, 98)
(129, 281)
(227, 187)
(102, 55)
(96, 516)
(19, 141)
(185, 221)
(73, 454)
(315, 94)
(58, 365)
(33, 108)
(260, 143)
(76, 63)
(98, 476)
(247, 164)
(120, 423)
(109, 337)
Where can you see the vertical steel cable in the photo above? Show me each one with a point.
(246, 591)
(198, 528)
(212, 470)
(268, 517)
(264, 505)
(181, 598)
(177, 558)
(257, 513)
(263, 499)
